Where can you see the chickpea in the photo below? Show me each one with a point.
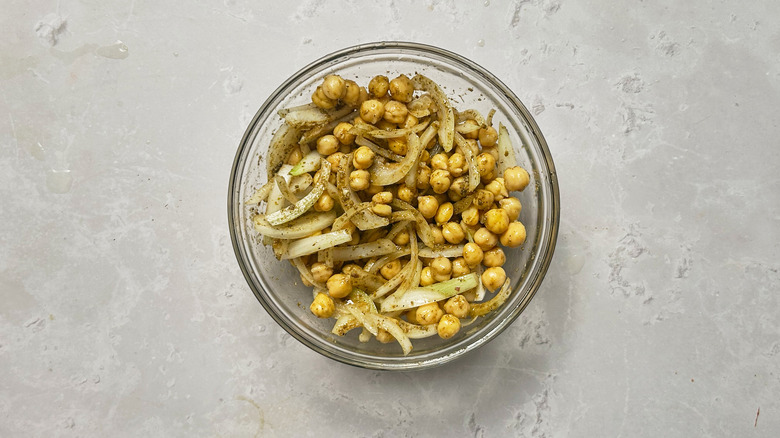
(470, 216)
(296, 155)
(339, 285)
(460, 267)
(428, 206)
(423, 177)
(496, 220)
(321, 101)
(485, 239)
(439, 161)
(398, 145)
(321, 272)
(384, 336)
(385, 125)
(493, 278)
(426, 276)
(488, 136)
(457, 306)
(458, 189)
(390, 269)
(402, 89)
(359, 179)
(401, 238)
(514, 235)
(486, 164)
(383, 197)
(444, 213)
(440, 181)
(410, 120)
(429, 313)
(494, 257)
(406, 194)
(457, 164)
(334, 87)
(322, 306)
(395, 112)
(491, 151)
(334, 159)
(328, 145)
(371, 111)
(441, 268)
(472, 254)
(516, 179)
(453, 233)
(341, 132)
(351, 94)
(363, 158)
(438, 237)
(472, 126)
(345, 148)
(373, 189)
(355, 237)
(512, 207)
(497, 188)
(411, 316)
(383, 210)
(483, 199)
(448, 326)
(324, 203)
(378, 86)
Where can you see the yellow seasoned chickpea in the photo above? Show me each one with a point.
(345, 148)
(339, 285)
(398, 145)
(384, 336)
(494, 257)
(321, 272)
(395, 112)
(322, 306)
(457, 306)
(428, 206)
(496, 220)
(458, 189)
(457, 164)
(496, 187)
(448, 326)
(492, 151)
(383, 197)
(472, 254)
(407, 194)
(514, 236)
(391, 269)
(411, 316)
(334, 159)
(373, 189)
(485, 239)
(472, 127)
(359, 179)
(363, 158)
(295, 156)
(429, 313)
(486, 164)
(402, 89)
(488, 136)
(355, 237)
(423, 177)
(440, 181)
(324, 203)
(426, 276)
(334, 87)
(516, 179)
(460, 267)
(352, 93)
(341, 132)
(410, 121)
(439, 161)
(470, 216)
(328, 145)
(438, 237)
(483, 199)
(401, 238)
(383, 210)
(453, 233)
(378, 86)
(493, 278)
(512, 207)
(441, 268)
(444, 213)
(321, 101)
(371, 111)
(385, 125)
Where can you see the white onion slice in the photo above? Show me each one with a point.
(312, 244)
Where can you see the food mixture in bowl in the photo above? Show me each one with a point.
(394, 206)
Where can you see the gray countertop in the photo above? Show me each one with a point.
(124, 312)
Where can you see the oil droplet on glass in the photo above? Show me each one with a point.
(481, 43)
(59, 181)
(118, 50)
(487, 3)
(575, 264)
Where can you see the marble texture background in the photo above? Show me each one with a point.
(124, 312)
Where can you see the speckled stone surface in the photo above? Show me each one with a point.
(123, 311)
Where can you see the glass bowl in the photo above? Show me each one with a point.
(277, 284)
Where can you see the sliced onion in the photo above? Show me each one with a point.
(469, 114)
(419, 296)
(308, 163)
(300, 183)
(461, 206)
(363, 279)
(376, 265)
(391, 326)
(342, 221)
(394, 282)
(442, 251)
(312, 244)
(506, 154)
(320, 130)
(304, 226)
(391, 173)
(304, 204)
(366, 219)
(282, 143)
(306, 117)
(285, 189)
(379, 150)
(446, 114)
(489, 119)
(480, 292)
(421, 106)
(284, 111)
(411, 213)
(400, 132)
(428, 135)
(361, 128)
(416, 331)
(363, 250)
(481, 309)
(468, 154)
(306, 274)
(359, 297)
(344, 324)
(260, 194)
